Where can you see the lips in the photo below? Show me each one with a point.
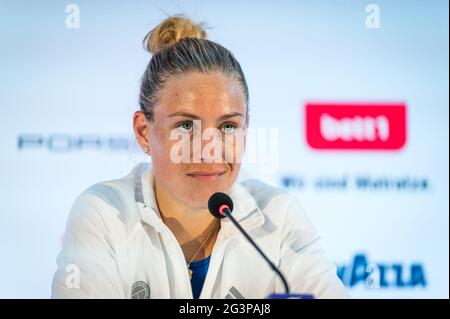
(206, 175)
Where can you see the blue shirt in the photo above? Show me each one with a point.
(199, 271)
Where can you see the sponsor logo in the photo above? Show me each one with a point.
(71, 143)
(363, 183)
(382, 275)
(340, 126)
(234, 294)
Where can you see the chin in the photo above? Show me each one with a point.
(198, 202)
(197, 191)
(198, 199)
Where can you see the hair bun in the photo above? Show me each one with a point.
(171, 31)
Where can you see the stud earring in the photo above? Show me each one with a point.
(146, 149)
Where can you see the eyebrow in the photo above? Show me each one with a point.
(195, 117)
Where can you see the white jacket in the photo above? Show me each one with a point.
(116, 246)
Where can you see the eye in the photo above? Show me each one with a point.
(187, 126)
(228, 128)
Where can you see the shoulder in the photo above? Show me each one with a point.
(268, 197)
(284, 208)
(106, 202)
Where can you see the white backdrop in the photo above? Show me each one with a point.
(67, 96)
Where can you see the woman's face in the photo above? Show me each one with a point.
(196, 139)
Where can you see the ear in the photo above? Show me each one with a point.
(141, 129)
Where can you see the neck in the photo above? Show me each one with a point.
(190, 226)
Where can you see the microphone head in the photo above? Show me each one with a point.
(216, 201)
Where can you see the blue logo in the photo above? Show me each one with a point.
(381, 275)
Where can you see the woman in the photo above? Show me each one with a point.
(150, 234)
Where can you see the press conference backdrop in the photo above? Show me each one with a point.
(349, 111)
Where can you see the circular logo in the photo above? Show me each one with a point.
(140, 290)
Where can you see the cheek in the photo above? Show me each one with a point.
(233, 149)
(235, 168)
(161, 145)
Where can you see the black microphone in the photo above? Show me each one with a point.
(220, 205)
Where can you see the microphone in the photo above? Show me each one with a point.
(220, 205)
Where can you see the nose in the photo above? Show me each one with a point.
(207, 143)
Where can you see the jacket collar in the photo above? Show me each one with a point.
(245, 211)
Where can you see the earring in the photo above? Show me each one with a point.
(146, 149)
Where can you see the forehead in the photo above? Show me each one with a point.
(201, 93)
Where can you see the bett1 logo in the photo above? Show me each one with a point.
(356, 126)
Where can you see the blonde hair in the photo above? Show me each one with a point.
(171, 31)
(179, 45)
